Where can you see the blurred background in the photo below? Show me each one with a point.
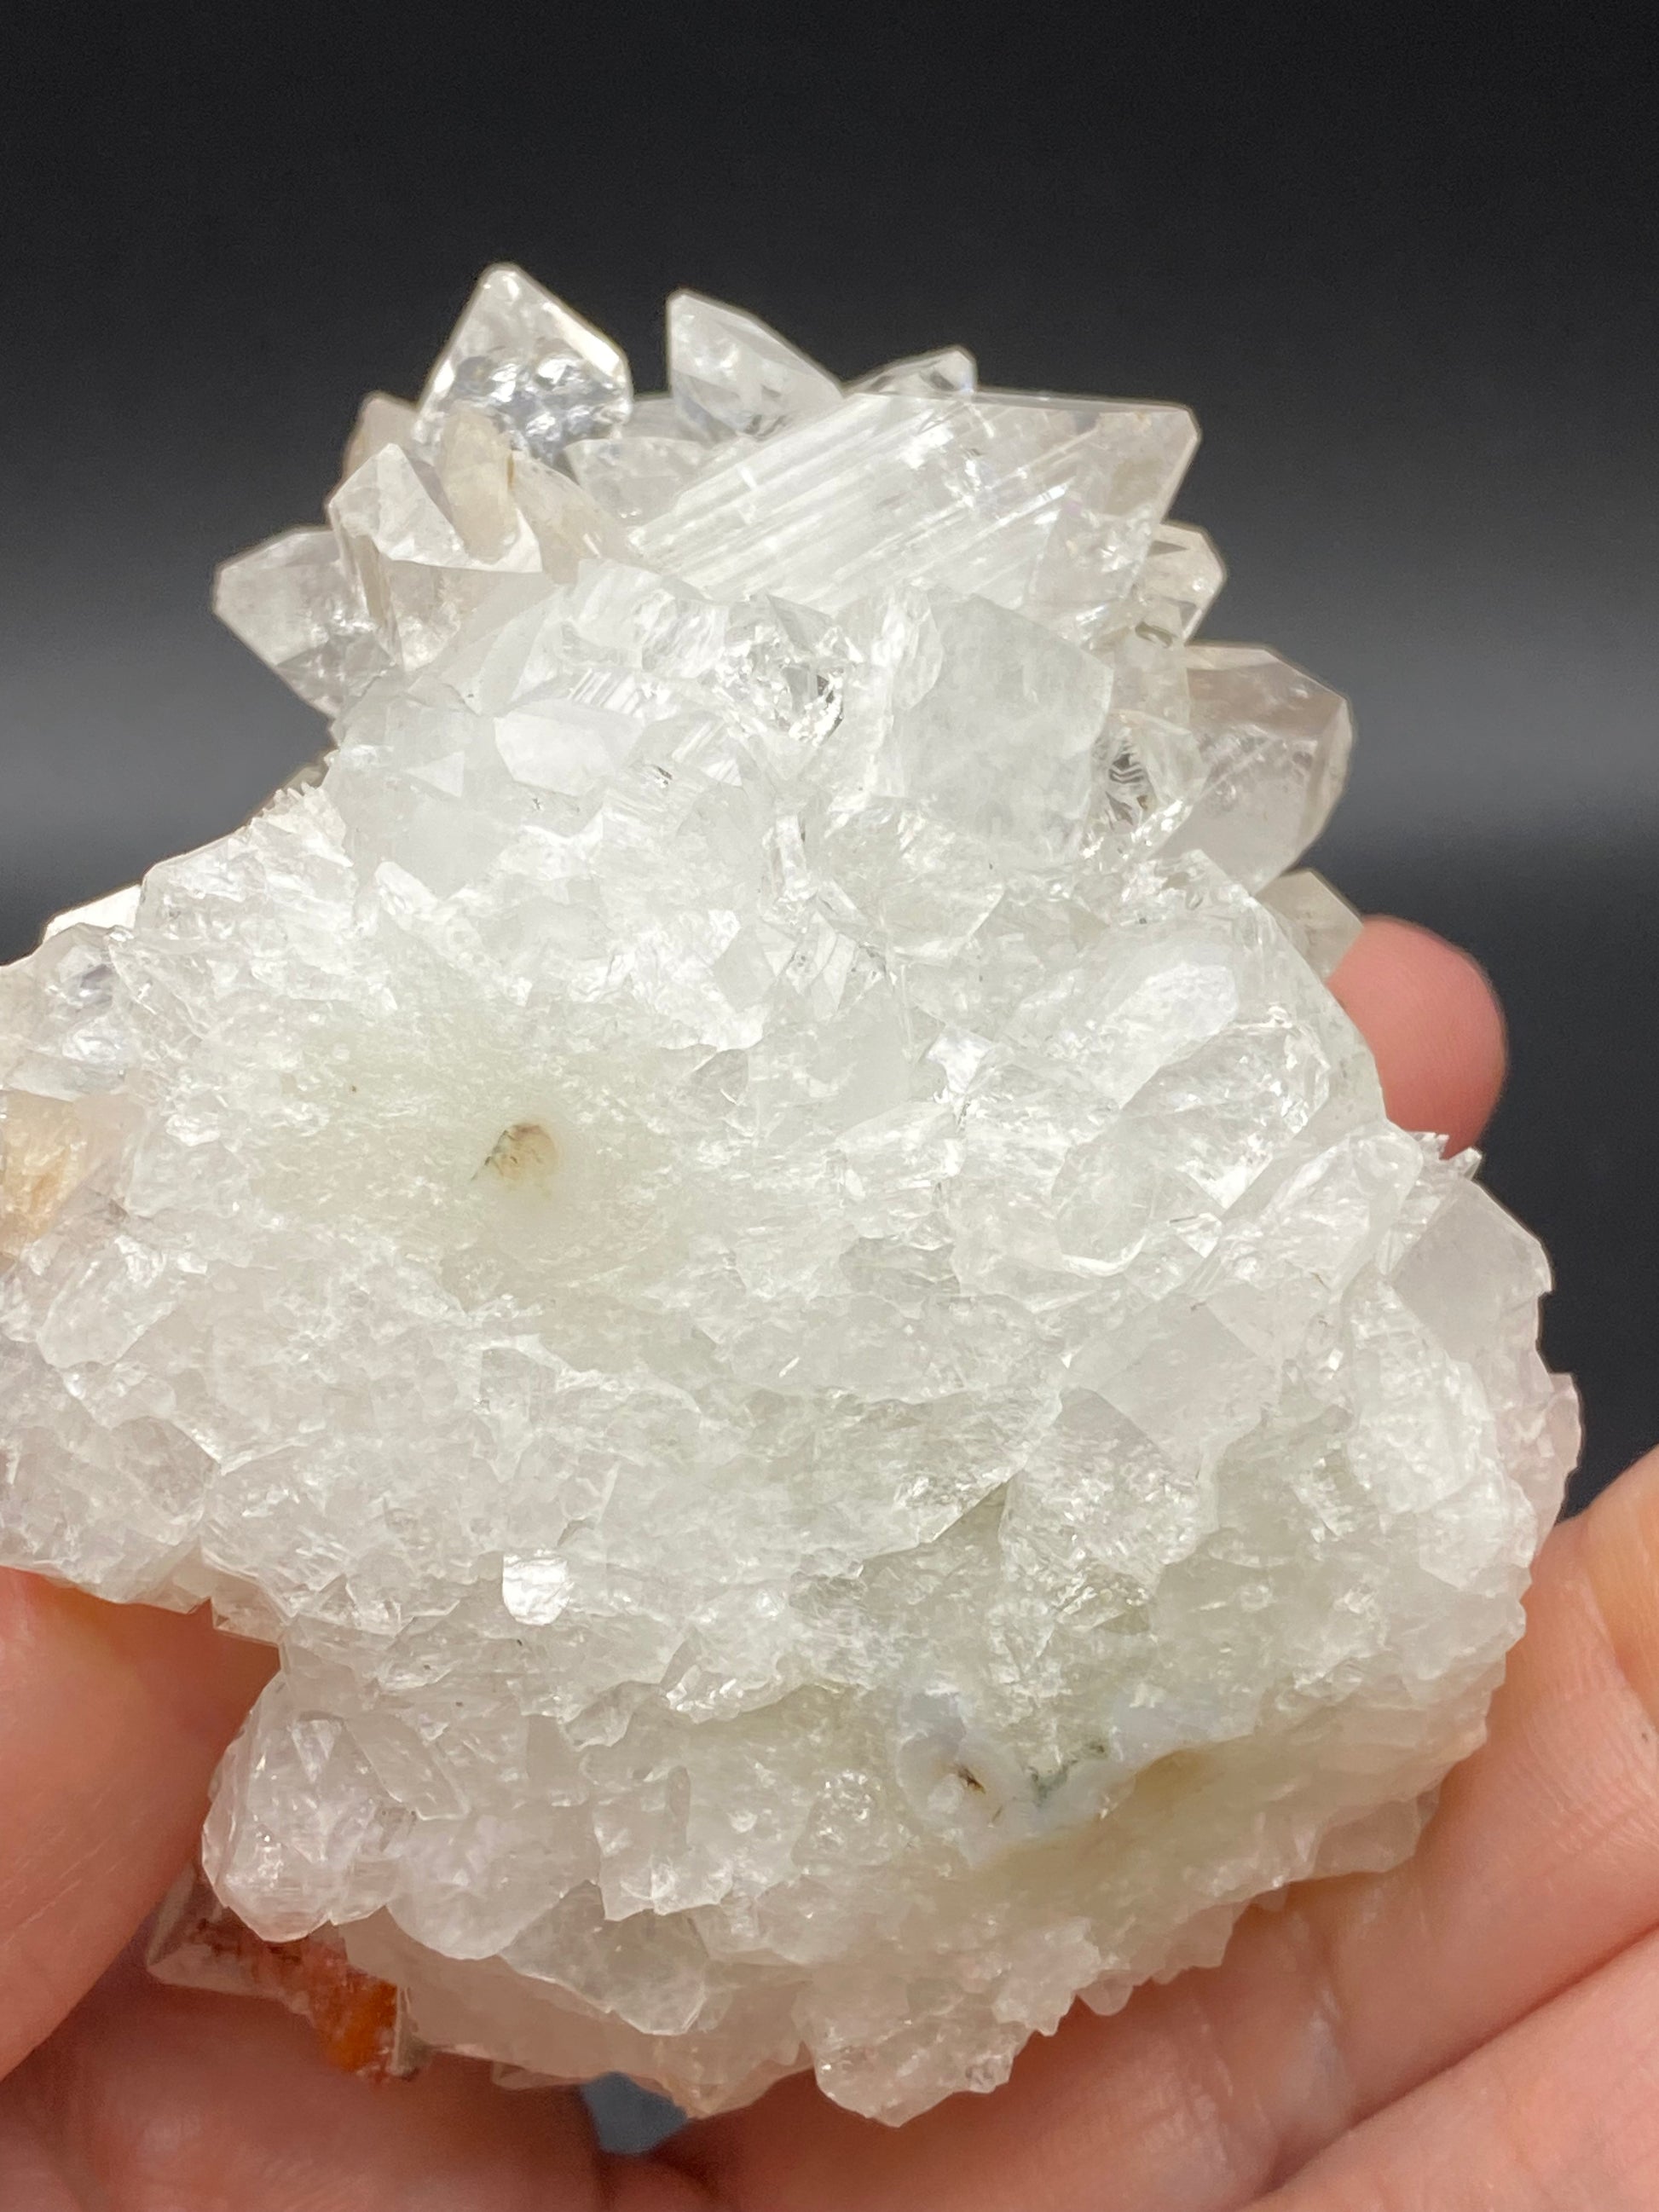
(1400, 261)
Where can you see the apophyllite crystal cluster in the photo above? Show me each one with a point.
(746, 1228)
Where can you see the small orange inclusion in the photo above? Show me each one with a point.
(354, 2015)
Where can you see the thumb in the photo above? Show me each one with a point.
(111, 1720)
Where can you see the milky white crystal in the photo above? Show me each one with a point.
(748, 1230)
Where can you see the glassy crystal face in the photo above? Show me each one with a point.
(739, 1231)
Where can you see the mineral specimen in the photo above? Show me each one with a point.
(746, 1228)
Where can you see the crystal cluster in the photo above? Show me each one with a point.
(745, 1226)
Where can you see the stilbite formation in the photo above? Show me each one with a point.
(746, 1227)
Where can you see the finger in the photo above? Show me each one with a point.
(1431, 1017)
(169, 2096)
(1539, 2121)
(112, 1720)
(1541, 1864)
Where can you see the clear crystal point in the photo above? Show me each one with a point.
(381, 421)
(1274, 746)
(423, 535)
(292, 601)
(1321, 924)
(733, 376)
(923, 376)
(530, 364)
(1179, 582)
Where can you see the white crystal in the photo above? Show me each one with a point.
(115, 911)
(736, 1229)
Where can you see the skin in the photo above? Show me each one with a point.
(1477, 2029)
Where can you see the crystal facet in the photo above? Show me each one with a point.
(744, 1226)
(530, 364)
(951, 368)
(731, 376)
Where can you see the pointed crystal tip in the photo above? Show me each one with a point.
(925, 375)
(532, 364)
(732, 376)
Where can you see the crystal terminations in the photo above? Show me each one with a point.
(746, 1228)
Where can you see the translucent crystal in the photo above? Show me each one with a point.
(951, 368)
(381, 421)
(1321, 922)
(736, 1228)
(1274, 746)
(635, 477)
(732, 377)
(530, 364)
(420, 541)
(1045, 506)
(292, 601)
(1179, 582)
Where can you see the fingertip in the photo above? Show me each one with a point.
(204, 1679)
(1430, 1014)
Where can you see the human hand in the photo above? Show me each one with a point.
(1435, 2039)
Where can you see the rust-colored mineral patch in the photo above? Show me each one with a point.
(45, 1151)
(525, 1156)
(356, 2016)
(199, 1943)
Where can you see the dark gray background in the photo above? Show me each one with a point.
(1400, 261)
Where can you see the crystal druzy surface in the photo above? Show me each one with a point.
(746, 1227)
